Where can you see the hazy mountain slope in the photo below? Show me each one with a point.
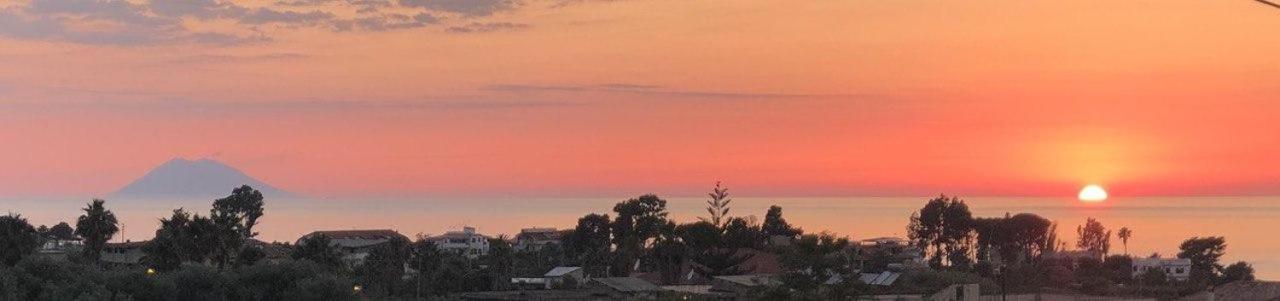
(193, 178)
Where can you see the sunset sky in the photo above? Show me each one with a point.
(607, 98)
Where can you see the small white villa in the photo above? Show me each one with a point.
(1174, 268)
(466, 242)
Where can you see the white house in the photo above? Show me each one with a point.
(59, 248)
(466, 242)
(125, 253)
(1174, 268)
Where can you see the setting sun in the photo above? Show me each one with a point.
(1093, 193)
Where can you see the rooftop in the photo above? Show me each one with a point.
(628, 284)
(358, 234)
(759, 262)
(538, 234)
(750, 280)
(467, 232)
(882, 279)
(886, 240)
(561, 271)
(126, 245)
(538, 230)
(357, 238)
(1161, 261)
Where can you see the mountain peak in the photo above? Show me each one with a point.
(199, 178)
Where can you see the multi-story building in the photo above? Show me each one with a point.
(533, 239)
(466, 242)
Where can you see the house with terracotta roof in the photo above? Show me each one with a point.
(534, 239)
(355, 244)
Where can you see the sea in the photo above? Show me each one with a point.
(1251, 225)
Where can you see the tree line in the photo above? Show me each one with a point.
(1023, 250)
(215, 256)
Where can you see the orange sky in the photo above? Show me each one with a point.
(606, 98)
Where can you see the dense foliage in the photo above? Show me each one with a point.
(17, 239)
(46, 279)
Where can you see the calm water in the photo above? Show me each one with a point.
(1159, 224)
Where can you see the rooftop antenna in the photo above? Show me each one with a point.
(1269, 3)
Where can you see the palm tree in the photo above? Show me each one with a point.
(96, 227)
(1124, 235)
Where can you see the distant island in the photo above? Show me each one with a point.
(202, 178)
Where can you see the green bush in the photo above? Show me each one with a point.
(931, 281)
(46, 279)
(286, 281)
(320, 287)
(201, 283)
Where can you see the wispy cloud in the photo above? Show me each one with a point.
(46, 23)
(223, 58)
(130, 23)
(655, 90)
(468, 8)
(477, 27)
(298, 105)
(472, 104)
(387, 22)
(564, 3)
(363, 6)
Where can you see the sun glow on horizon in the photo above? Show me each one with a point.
(1093, 194)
